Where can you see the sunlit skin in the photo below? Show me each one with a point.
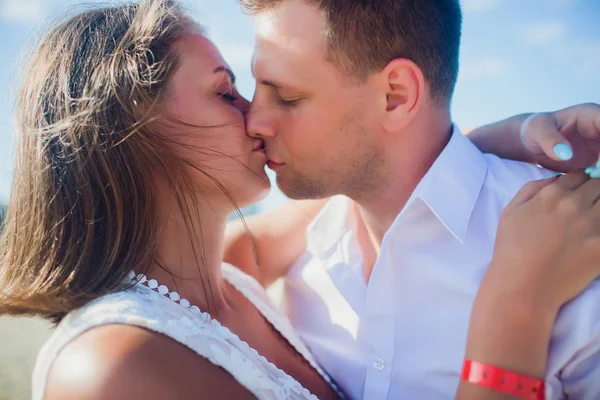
(313, 119)
(125, 362)
(327, 133)
(202, 94)
(209, 130)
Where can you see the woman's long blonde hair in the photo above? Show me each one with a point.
(82, 212)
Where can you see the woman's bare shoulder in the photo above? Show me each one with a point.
(125, 362)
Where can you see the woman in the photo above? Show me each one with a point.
(132, 153)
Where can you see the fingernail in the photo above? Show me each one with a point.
(598, 164)
(590, 169)
(595, 174)
(563, 151)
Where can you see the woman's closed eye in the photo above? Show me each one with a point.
(227, 90)
(230, 97)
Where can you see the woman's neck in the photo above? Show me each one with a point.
(189, 254)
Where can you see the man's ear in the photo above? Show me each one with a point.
(404, 86)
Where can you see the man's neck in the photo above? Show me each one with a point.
(409, 161)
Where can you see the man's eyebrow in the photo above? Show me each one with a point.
(265, 82)
(271, 83)
(229, 72)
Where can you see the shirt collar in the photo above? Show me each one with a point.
(330, 225)
(452, 185)
(450, 189)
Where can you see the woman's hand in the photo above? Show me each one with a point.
(565, 140)
(548, 243)
(547, 252)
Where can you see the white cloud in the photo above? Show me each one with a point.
(484, 68)
(544, 33)
(237, 55)
(474, 6)
(23, 11)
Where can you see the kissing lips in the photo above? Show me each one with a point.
(274, 165)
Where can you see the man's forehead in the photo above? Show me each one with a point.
(294, 26)
(276, 65)
(290, 46)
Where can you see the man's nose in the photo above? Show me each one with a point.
(260, 122)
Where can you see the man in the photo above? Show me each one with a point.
(353, 99)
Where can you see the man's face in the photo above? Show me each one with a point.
(318, 125)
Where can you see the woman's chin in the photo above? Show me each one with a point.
(262, 192)
(256, 194)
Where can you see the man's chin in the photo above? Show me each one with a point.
(301, 189)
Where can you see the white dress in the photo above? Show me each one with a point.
(165, 313)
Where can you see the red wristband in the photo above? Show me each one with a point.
(504, 381)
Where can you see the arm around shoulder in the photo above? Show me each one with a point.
(278, 238)
(121, 362)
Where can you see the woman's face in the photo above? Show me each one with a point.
(202, 94)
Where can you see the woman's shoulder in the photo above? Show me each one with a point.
(133, 304)
(108, 338)
(132, 312)
(129, 362)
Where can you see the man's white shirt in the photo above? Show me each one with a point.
(403, 335)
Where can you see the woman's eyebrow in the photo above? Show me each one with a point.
(229, 72)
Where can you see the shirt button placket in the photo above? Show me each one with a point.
(379, 334)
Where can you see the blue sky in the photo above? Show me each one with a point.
(517, 56)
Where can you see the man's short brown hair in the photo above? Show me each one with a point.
(365, 35)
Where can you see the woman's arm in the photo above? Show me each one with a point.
(502, 138)
(511, 335)
(275, 239)
(548, 139)
(545, 255)
(508, 332)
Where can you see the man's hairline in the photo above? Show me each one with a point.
(349, 74)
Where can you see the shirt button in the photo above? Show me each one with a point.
(379, 364)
